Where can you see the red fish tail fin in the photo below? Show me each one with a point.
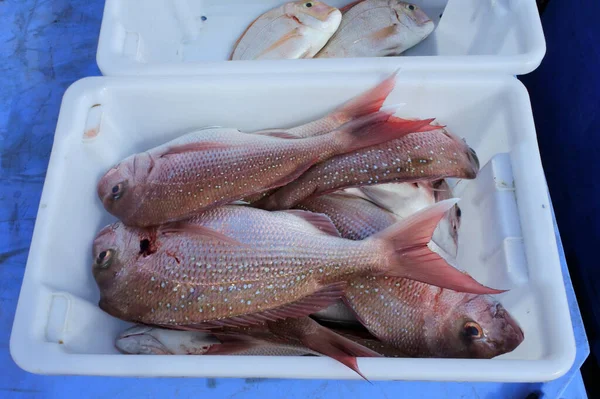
(376, 129)
(366, 103)
(329, 343)
(412, 258)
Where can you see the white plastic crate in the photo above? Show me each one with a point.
(191, 37)
(506, 241)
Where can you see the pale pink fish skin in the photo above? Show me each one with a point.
(216, 166)
(419, 156)
(293, 30)
(378, 28)
(419, 319)
(186, 279)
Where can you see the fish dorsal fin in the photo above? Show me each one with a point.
(303, 307)
(384, 33)
(319, 220)
(196, 229)
(193, 147)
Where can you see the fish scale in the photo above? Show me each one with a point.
(420, 156)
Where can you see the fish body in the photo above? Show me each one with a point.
(419, 319)
(378, 28)
(215, 166)
(428, 156)
(297, 29)
(236, 265)
(290, 337)
(147, 340)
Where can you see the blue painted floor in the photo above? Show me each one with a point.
(45, 46)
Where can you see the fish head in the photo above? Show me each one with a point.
(315, 14)
(120, 189)
(138, 340)
(413, 18)
(477, 326)
(115, 248)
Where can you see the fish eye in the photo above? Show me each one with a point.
(458, 212)
(104, 258)
(309, 4)
(117, 191)
(411, 7)
(472, 330)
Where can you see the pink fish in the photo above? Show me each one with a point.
(377, 28)
(430, 155)
(419, 319)
(235, 265)
(293, 30)
(216, 166)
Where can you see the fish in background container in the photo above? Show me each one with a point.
(378, 28)
(294, 30)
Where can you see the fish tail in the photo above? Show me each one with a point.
(412, 258)
(367, 102)
(374, 129)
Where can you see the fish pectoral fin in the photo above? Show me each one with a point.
(195, 229)
(284, 40)
(384, 33)
(193, 147)
(345, 351)
(318, 220)
(312, 303)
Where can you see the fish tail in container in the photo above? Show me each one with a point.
(376, 129)
(366, 103)
(409, 255)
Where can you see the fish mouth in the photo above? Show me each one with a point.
(474, 159)
(513, 332)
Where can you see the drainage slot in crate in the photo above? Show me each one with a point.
(93, 122)
(57, 318)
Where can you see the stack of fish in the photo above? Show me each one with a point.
(341, 208)
(307, 29)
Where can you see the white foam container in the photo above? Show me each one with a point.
(171, 37)
(506, 240)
